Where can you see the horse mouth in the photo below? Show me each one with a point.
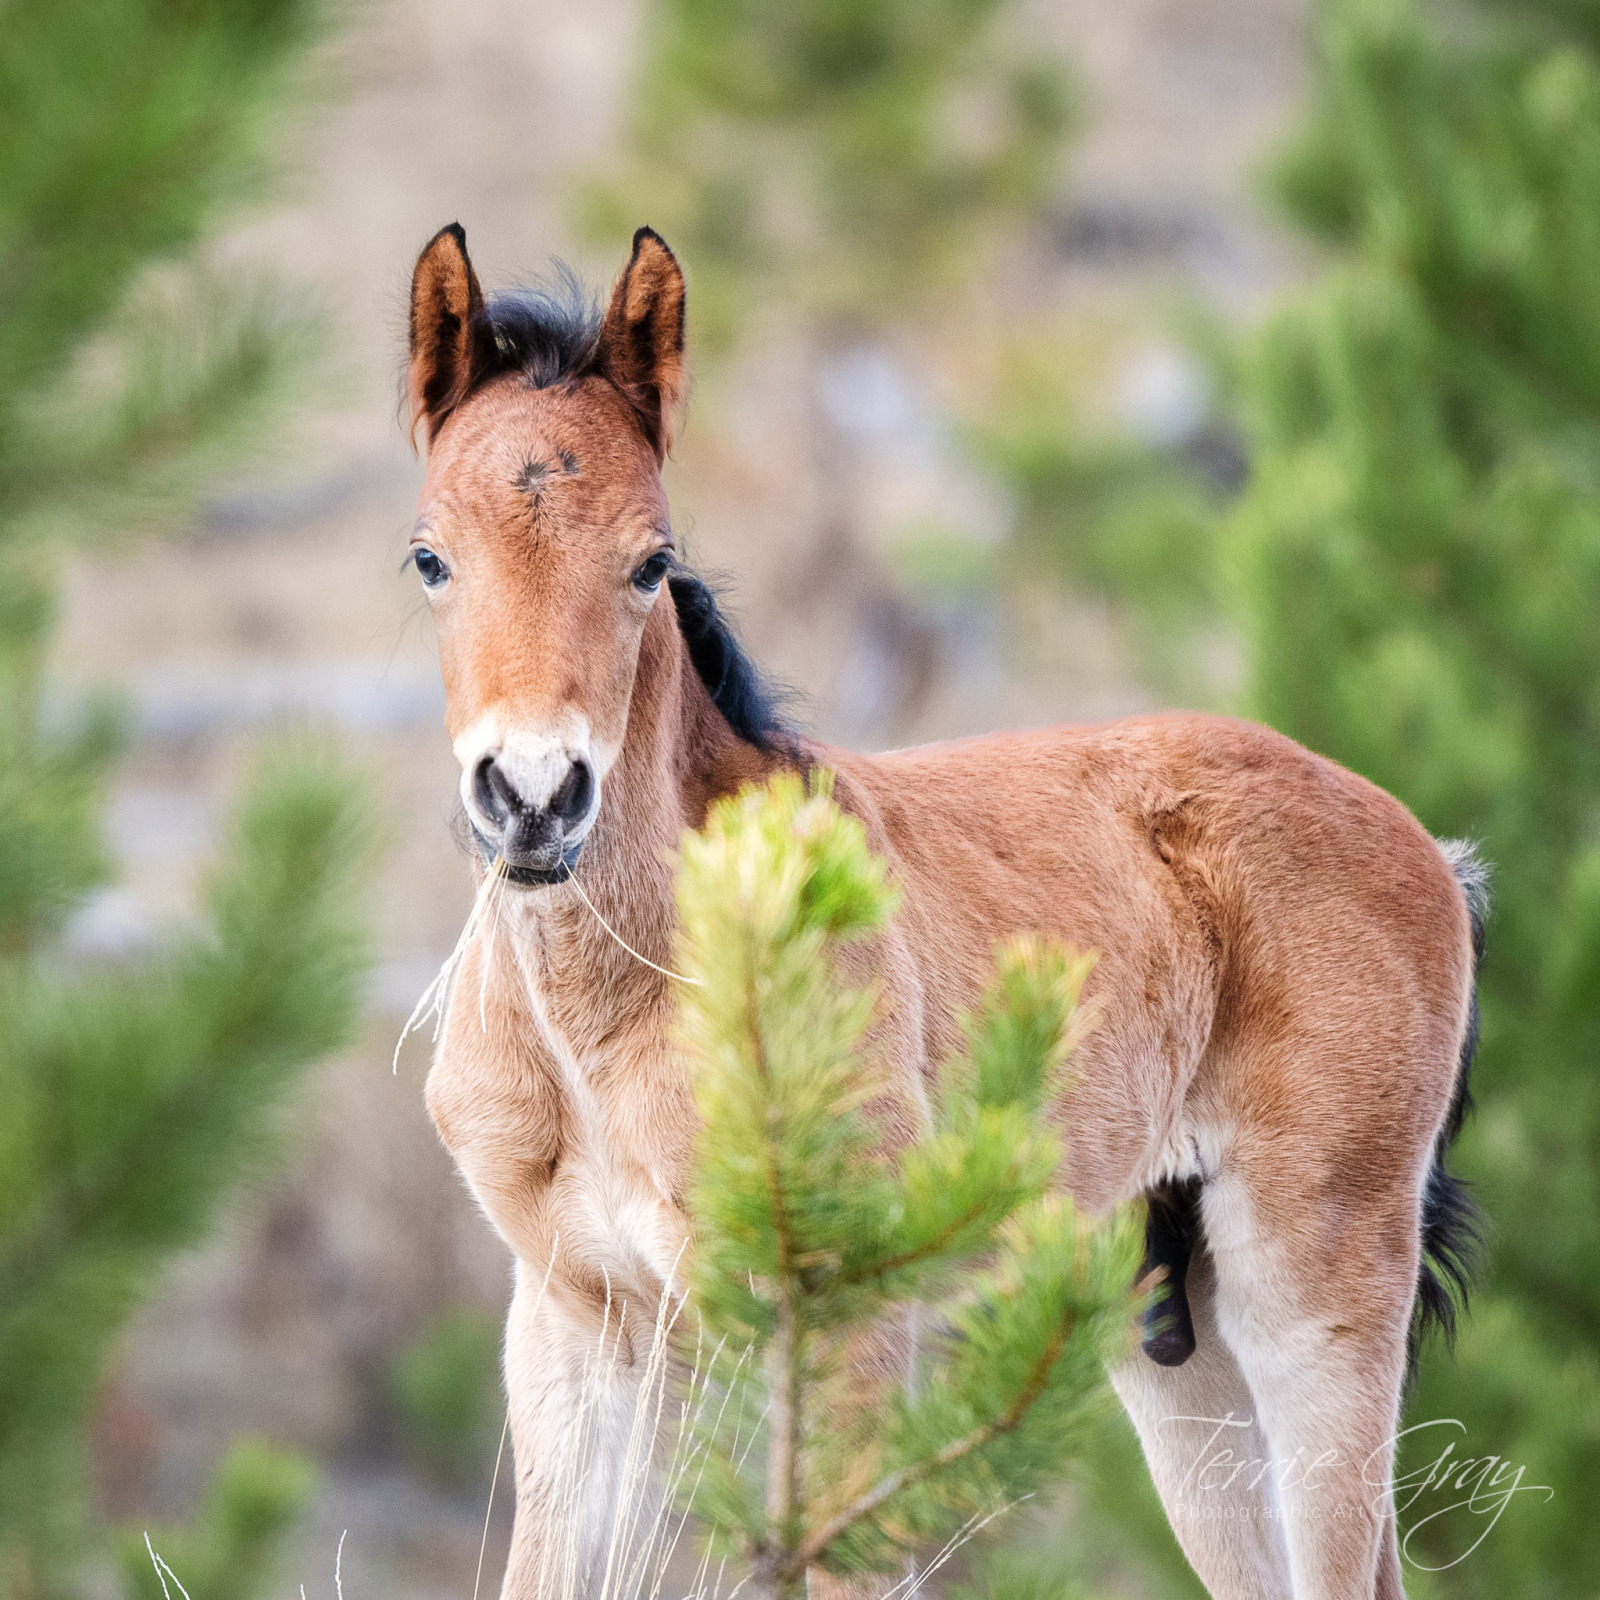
(531, 871)
(529, 876)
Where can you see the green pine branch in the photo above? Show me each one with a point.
(134, 1098)
(813, 1241)
(188, 375)
(132, 1101)
(128, 126)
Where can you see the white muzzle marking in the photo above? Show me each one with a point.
(535, 761)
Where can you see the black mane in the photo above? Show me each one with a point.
(545, 332)
(740, 693)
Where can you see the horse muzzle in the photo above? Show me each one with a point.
(539, 842)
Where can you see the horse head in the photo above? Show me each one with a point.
(542, 539)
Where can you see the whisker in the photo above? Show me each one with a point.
(488, 953)
(666, 972)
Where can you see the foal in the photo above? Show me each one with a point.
(1285, 976)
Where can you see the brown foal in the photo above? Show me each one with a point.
(1285, 979)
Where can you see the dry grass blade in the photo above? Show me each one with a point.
(435, 999)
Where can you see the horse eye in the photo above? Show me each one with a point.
(429, 567)
(648, 574)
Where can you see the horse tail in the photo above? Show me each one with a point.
(1452, 1224)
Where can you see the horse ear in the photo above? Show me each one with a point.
(449, 344)
(641, 339)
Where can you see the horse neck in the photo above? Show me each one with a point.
(678, 757)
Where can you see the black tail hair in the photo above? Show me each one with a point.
(1452, 1224)
(1173, 1231)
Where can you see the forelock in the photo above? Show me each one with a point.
(545, 333)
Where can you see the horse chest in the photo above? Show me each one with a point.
(611, 1194)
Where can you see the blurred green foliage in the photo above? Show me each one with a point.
(132, 1100)
(128, 126)
(1417, 569)
(842, 156)
(1414, 570)
(808, 1238)
(1105, 513)
(448, 1395)
(226, 1553)
(1007, 1577)
(135, 1096)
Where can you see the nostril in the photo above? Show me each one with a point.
(487, 801)
(571, 801)
(494, 792)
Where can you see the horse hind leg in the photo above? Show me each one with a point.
(1208, 1453)
(1319, 1330)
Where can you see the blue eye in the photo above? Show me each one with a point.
(430, 568)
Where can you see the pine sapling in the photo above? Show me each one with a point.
(917, 1315)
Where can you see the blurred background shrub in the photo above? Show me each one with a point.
(448, 1396)
(134, 1097)
(845, 157)
(227, 1552)
(1415, 564)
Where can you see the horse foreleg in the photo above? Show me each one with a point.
(574, 1371)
